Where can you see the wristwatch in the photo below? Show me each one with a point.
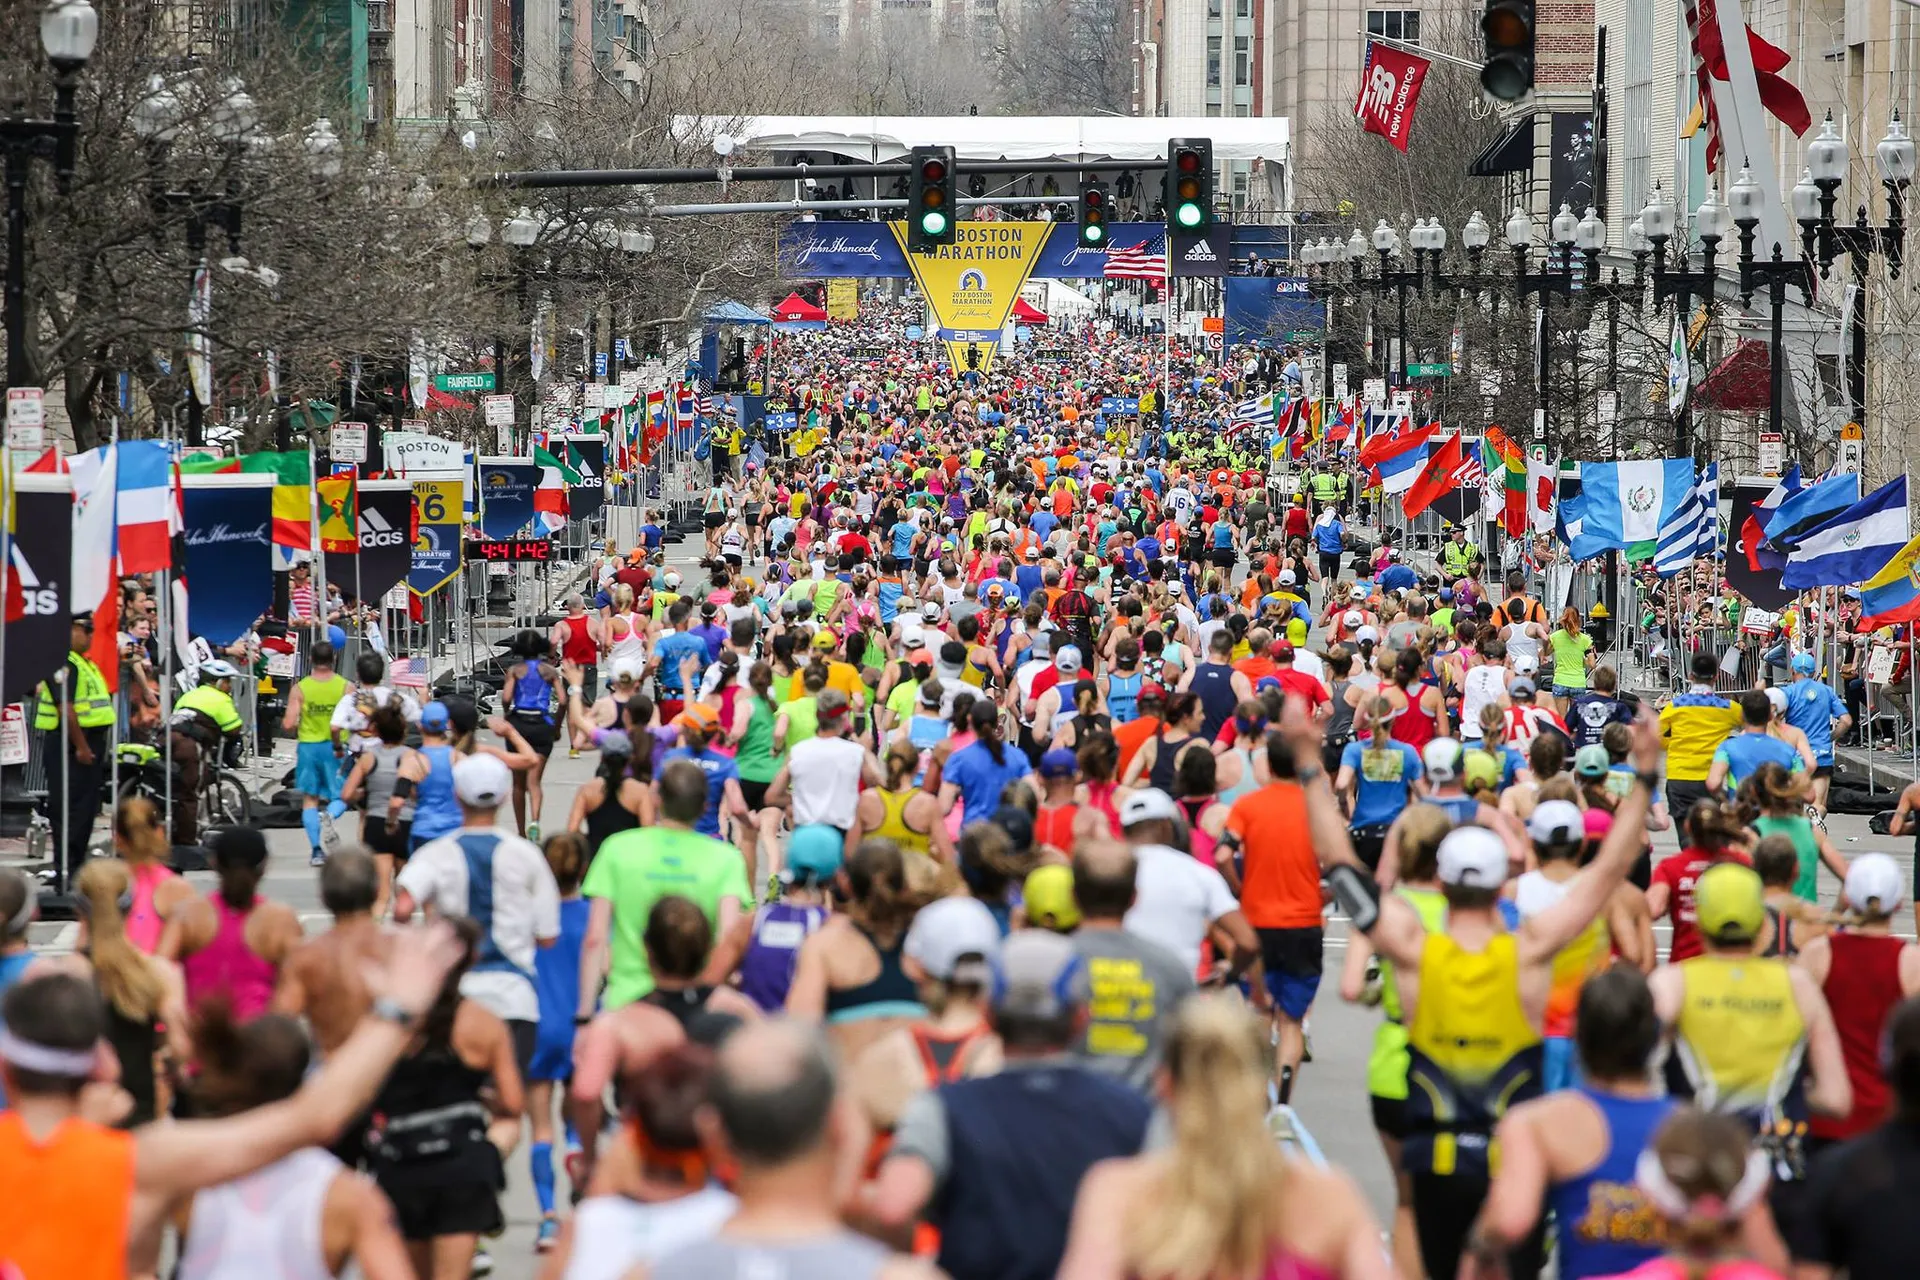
(387, 1009)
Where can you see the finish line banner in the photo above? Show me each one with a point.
(972, 284)
(869, 250)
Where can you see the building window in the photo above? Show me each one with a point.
(1213, 62)
(1243, 8)
(1213, 8)
(1395, 24)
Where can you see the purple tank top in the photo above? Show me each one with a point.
(766, 971)
(228, 967)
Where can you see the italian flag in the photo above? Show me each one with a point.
(292, 474)
(550, 495)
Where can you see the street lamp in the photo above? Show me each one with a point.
(68, 31)
(1556, 278)
(322, 146)
(1823, 239)
(1681, 281)
(1776, 272)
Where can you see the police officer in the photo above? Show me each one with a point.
(74, 716)
(1458, 553)
(204, 719)
(1326, 488)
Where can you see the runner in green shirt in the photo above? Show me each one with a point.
(635, 869)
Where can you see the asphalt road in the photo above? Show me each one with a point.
(1330, 1095)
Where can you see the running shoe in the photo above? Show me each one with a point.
(482, 1260)
(573, 753)
(548, 1235)
(319, 858)
(533, 832)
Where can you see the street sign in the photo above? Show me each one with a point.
(499, 410)
(1339, 382)
(1435, 369)
(1374, 391)
(599, 368)
(621, 351)
(1539, 424)
(1853, 448)
(1402, 404)
(348, 442)
(13, 734)
(414, 424)
(1607, 407)
(26, 418)
(1773, 453)
(481, 381)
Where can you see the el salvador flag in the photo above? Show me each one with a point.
(1854, 547)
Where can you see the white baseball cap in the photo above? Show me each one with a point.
(482, 781)
(1286, 577)
(1874, 883)
(1442, 759)
(1473, 857)
(1067, 659)
(948, 929)
(1367, 634)
(1557, 822)
(1148, 805)
(670, 579)
(1354, 618)
(1525, 665)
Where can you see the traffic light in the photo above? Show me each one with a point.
(930, 204)
(1189, 184)
(1093, 215)
(1508, 27)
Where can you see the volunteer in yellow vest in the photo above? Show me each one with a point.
(1475, 995)
(1746, 1030)
(1326, 489)
(319, 749)
(204, 717)
(1457, 553)
(74, 716)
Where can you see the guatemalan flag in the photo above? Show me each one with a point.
(1624, 505)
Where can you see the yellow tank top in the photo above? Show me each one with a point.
(1739, 1038)
(1472, 1054)
(1573, 964)
(894, 825)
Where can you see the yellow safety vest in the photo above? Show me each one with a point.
(1455, 557)
(92, 700)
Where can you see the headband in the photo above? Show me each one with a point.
(1651, 1177)
(28, 1056)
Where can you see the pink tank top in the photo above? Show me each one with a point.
(1668, 1269)
(228, 967)
(144, 924)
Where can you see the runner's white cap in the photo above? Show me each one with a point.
(1874, 884)
(1367, 634)
(1354, 618)
(1557, 822)
(948, 929)
(1286, 577)
(482, 782)
(1525, 665)
(1473, 857)
(1148, 805)
(1442, 759)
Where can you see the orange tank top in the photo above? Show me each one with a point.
(65, 1203)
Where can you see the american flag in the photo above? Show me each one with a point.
(703, 405)
(1144, 261)
(407, 673)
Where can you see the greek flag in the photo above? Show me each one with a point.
(1693, 530)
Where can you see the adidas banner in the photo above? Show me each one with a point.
(386, 550)
(229, 565)
(506, 495)
(590, 458)
(40, 552)
(1205, 255)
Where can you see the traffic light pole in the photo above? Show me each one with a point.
(533, 179)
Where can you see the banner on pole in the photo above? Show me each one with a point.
(229, 557)
(386, 517)
(436, 543)
(843, 300)
(587, 497)
(1390, 83)
(38, 579)
(973, 283)
(506, 495)
(415, 452)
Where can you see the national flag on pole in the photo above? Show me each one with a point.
(1440, 476)
(1342, 425)
(339, 515)
(1753, 531)
(1258, 412)
(550, 495)
(1812, 508)
(1144, 261)
(1854, 546)
(1506, 468)
(1892, 595)
(177, 542)
(1399, 439)
(1398, 471)
(1692, 532)
(1679, 366)
(1291, 422)
(145, 494)
(93, 564)
(1624, 505)
(292, 489)
(1543, 479)
(407, 673)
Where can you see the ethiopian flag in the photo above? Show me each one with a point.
(292, 474)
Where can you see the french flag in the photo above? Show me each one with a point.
(145, 506)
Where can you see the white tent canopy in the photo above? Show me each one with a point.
(877, 138)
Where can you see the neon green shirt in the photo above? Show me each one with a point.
(635, 869)
(318, 698)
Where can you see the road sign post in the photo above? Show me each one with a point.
(480, 381)
(26, 418)
(348, 443)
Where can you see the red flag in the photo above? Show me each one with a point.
(1440, 477)
(1390, 82)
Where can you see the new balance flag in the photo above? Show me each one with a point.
(1390, 83)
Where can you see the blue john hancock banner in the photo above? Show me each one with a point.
(868, 250)
(229, 559)
(506, 495)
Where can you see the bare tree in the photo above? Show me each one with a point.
(1069, 57)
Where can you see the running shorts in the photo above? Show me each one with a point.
(316, 772)
(1292, 961)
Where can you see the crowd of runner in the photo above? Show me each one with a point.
(952, 892)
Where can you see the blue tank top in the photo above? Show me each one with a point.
(12, 969)
(1605, 1224)
(1459, 808)
(556, 969)
(1222, 536)
(1213, 683)
(1123, 696)
(766, 970)
(435, 810)
(533, 693)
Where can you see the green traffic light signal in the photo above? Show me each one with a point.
(933, 222)
(1094, 231)
(1188, 215)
